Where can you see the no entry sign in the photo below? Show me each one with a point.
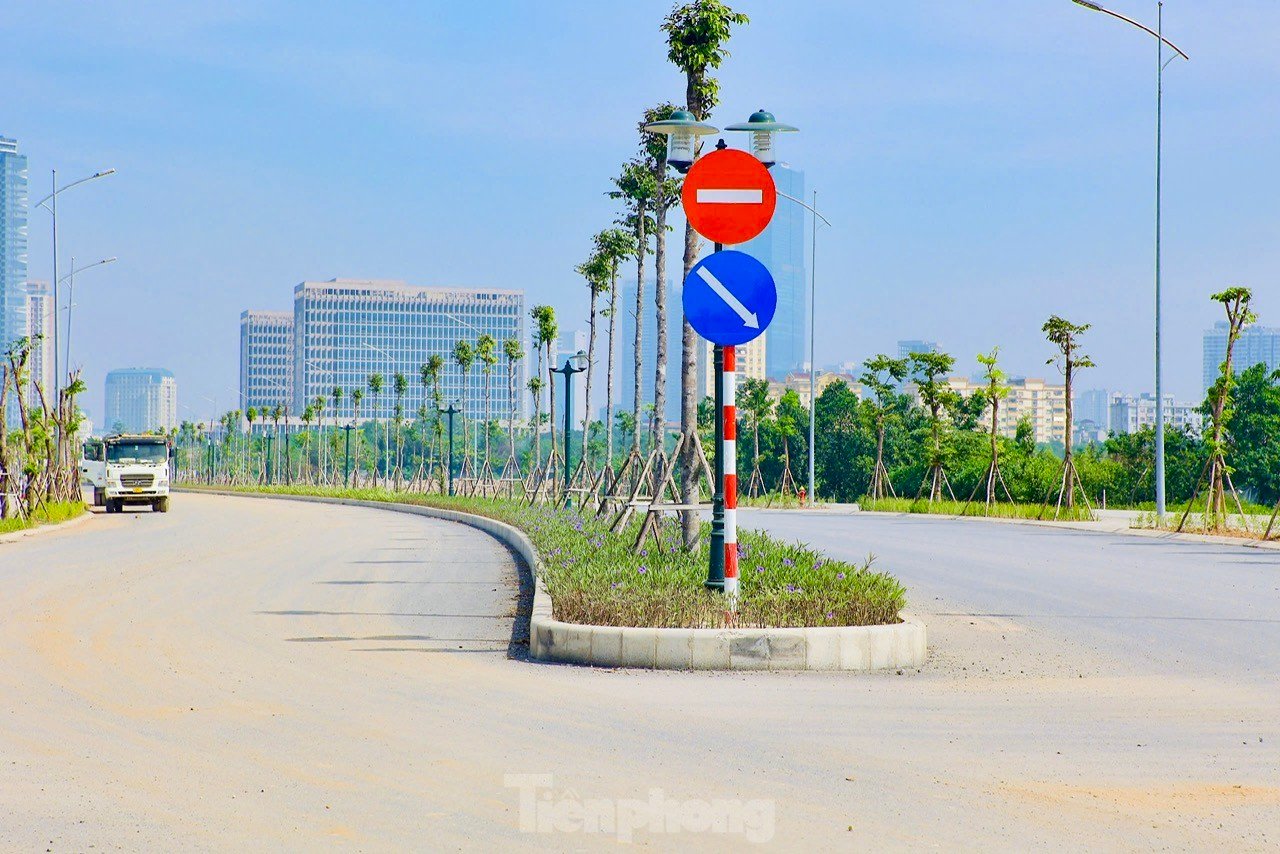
(729, 196)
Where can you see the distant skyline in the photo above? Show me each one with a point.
(983, 165)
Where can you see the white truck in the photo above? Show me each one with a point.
(128, 470)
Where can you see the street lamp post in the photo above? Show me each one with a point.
(1161, 62)
(70, 278)
(575, 364)
(451, 410)
(50, 203)
(346, 454)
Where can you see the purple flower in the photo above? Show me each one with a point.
(840, 575)
(786, 561)
(817, 564)
(644, 553)
(742, 550)
(615, 585)
(831, 615)
(791, 588)
(759, 569)
(643, 569)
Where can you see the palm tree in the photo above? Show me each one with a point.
(375, 388)
(464, 356)
(335, 395)
(400, 385)
(614, 246)
(357, 395)
(318, 406)
(696, 37)
(514, 352)
(596, 271)
(546, 331)
(486, 352)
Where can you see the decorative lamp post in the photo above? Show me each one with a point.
(763, 127)
(451, 410)
(574, 364)
(682, 130)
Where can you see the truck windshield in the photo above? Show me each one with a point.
(137, 452)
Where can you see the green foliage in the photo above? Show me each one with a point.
(696, 35)
(46, 513)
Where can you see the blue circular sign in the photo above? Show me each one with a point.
(729, 298)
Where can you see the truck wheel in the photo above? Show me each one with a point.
(161, 505)
(112, 506)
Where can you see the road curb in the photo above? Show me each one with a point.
(14, 536)
(853, 648)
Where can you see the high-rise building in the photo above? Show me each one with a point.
(40, 316)
(346, 330)
(1091, 413)
(266, 359)
(1042, 404)
(1256, 345)
(13, 247)
(907, 347)
(781, 248)
(140, 400)
(752, 361)
(1130, 413)
(649, 347)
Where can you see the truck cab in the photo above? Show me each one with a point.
(135, 470)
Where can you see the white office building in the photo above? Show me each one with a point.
(1256, 345)
(346, 330)
(266, 359)
(1130, 413)
(140, 400)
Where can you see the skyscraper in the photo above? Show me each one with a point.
(40, 316)
(13, 245)
(140, 400)
(781, 248)
(266, 359)
(348, 329)
(1256, 345)
(916, 345)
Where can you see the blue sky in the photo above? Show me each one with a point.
(985, 164)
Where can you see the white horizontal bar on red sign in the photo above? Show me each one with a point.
(730, 197)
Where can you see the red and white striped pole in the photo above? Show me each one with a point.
(729, 453)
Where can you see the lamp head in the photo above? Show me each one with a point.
(579, 360)
(763, 127)
(682, 130)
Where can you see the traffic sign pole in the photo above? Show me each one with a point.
(716, 565)
(729, 448)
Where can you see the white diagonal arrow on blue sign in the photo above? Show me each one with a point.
(739, 309)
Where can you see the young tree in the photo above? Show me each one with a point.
(317, 408)
(487, 353)
(357, 396)
(929, 370)
(596, 271)
(614, 246)
(400, 387)
(697, 33)
(546, 331)
(882, 377)
(514, 352)
(1235, 302)
(429, 373)
(375, 389)
(754, 402)
(1065, 336)
(996, 390)
(638, 186)
(464, 356)
(666, 192)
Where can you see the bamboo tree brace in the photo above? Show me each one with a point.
(730, 451)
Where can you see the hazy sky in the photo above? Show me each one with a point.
(985, 164)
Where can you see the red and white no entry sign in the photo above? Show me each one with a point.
(729, 196)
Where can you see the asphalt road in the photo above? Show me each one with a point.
(243, 674)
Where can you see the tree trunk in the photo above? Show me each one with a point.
(641, 240)
(608, 374)
(591, 360)
(660, 350)
(1066, 444)
(551, 403)
(689, 404)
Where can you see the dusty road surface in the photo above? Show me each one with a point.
(245, 674)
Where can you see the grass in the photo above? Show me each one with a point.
(1000, 509)
(1253, 525)
(596, 577)
(46, 514)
